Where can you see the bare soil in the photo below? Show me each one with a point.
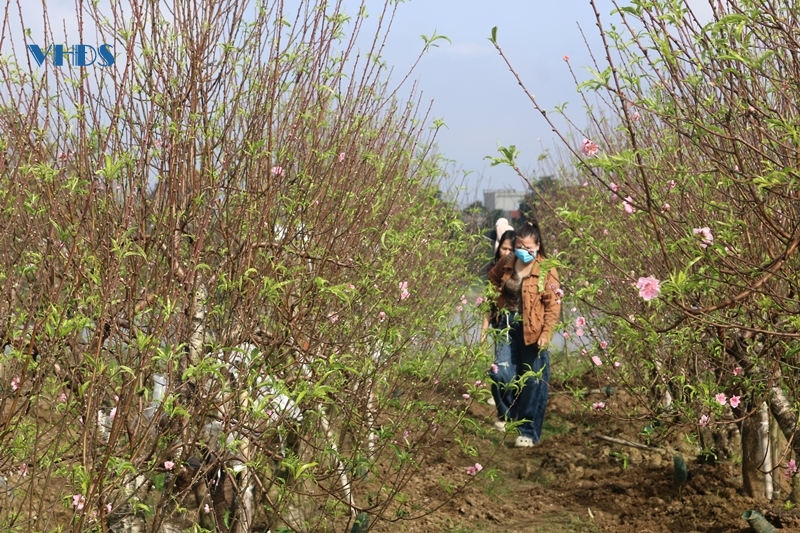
(573, 481)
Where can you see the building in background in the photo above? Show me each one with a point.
(504, 200)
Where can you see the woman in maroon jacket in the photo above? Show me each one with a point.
(528, 302)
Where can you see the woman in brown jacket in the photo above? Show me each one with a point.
(528, 301)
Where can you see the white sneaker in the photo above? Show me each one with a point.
(500, 425)
(523, 442)
(490, 401)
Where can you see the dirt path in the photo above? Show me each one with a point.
(574, 482)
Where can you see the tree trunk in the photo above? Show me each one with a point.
(752, 458)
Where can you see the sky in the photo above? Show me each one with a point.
(473, 91)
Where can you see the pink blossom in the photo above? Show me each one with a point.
(78, 501)
(459, 308)
(63, 397)
(737, 371)
(574, 309)
(704, 421)
(382, 316)
(23, 469)
(404, 290)
(649, 288)
(705, 235)
(169, 465)
(598, 406)
(605, 232)
(580, 321)
(559, 293)
(350, 286)
(277, 170)
(628, 205)
(206, 509)
(613, 186)
(583, 351)
(635, 117)
(478, 300)
(494, 368)
(735, 400)
(15, 384)
(603, 345)
(565, 58)
(333, 317)
(589, 148)
(579, 332)
(478, 383)
(565, 335)
(666, 207)
(113, 413)
(671, 184)
(585, 183)
(341, 157)
(463, 300)
(617, 364)
(597, 361)
(721, 398)
(465, 396)
(791, 468)
(472, 470)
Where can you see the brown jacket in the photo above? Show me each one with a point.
(540, 310)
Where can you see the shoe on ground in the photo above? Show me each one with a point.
(500, 425)
(490, 401)
(523, 442)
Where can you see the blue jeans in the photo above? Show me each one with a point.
(530, 399)
(502, 394)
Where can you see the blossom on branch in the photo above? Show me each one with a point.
(705, 235)
(589, 148)
(649, 288)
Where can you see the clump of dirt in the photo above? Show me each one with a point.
(573, 480)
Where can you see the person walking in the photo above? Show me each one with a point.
(501, 371)
(528, 302)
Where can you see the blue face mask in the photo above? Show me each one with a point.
(524, 255)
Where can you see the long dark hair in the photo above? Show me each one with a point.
(531, 229)
(509, 234)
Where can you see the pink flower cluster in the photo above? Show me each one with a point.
(791, 468)
(598, 406)
(78, 501)
(628, 205)
(649, 288)
(404, 290)
(707, 239)
(472, 470)
(722, 400)
(589, 148)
